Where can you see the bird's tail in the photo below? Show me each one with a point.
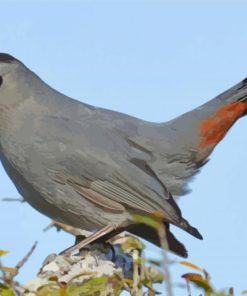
(171, 243)
(204, 127)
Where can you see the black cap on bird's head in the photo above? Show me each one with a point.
(7, 64)
(6, 58)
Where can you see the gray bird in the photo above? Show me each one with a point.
(95, 169)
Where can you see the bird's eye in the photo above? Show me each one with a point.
(1, 80)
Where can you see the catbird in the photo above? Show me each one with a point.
(96, 169)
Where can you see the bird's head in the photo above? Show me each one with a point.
(7, 64)
(16, 80)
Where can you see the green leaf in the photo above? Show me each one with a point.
(50, 289)
(2, 286)
(7, 292)
(95, 285)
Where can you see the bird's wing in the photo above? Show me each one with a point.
(129, 184)
(101, 164)
(134, 188)
(174, 162)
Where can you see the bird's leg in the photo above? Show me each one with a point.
(82, 251)
(104, 231)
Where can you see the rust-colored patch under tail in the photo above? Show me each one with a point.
(214, 128)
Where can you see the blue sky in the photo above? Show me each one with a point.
(153, 60)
